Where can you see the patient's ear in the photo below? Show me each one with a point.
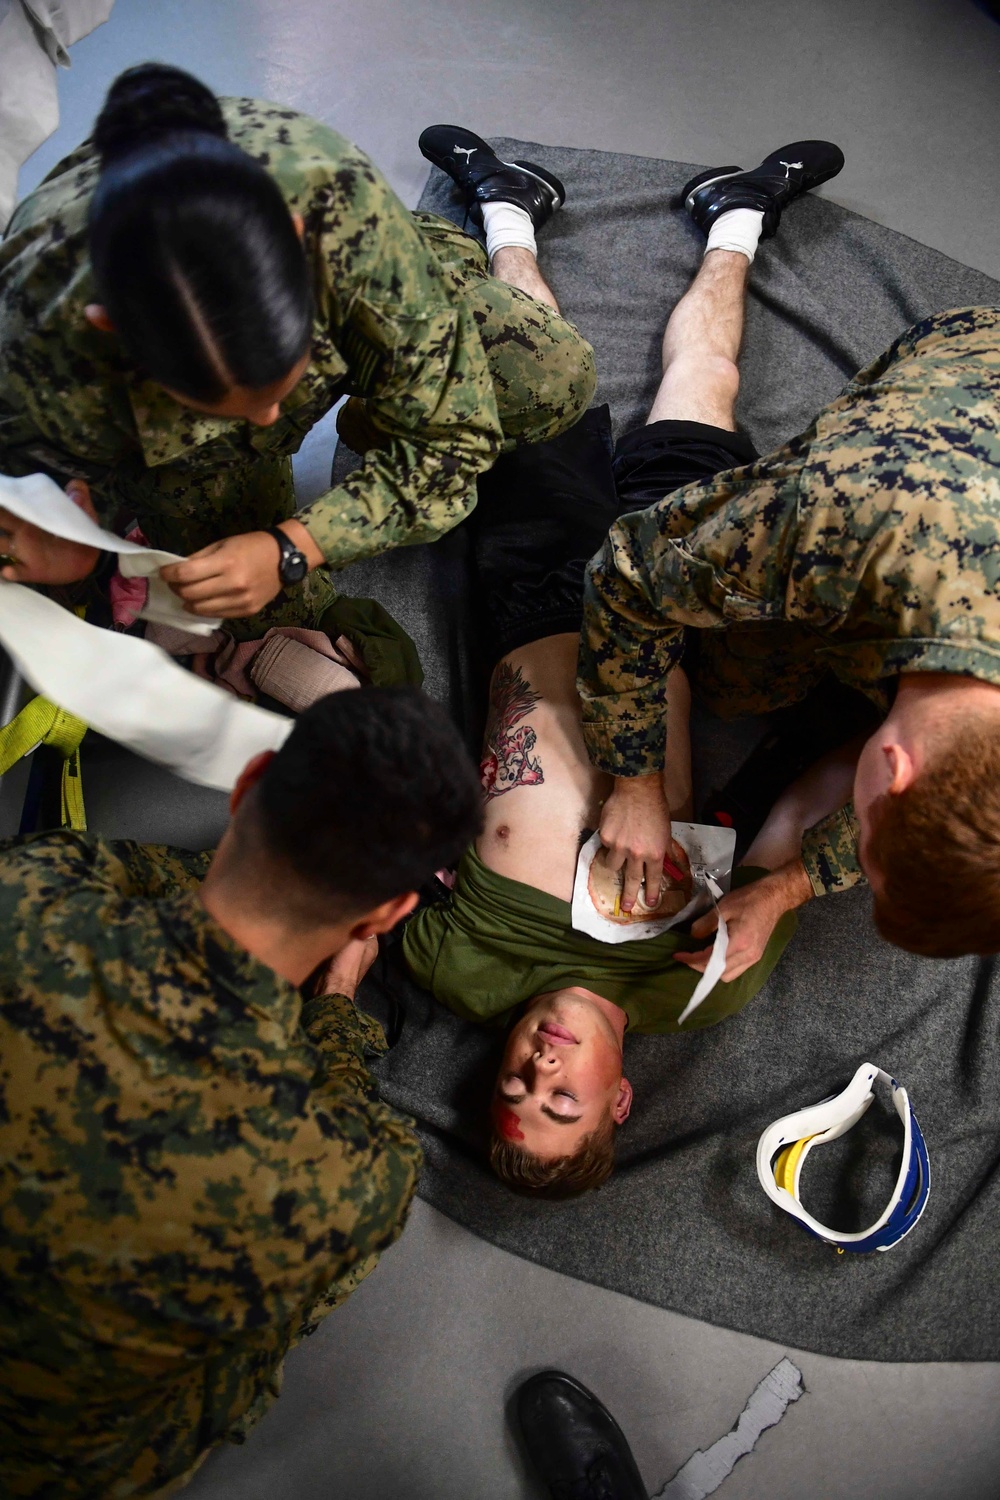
(901, 768)
(248, 777)
(385, 917)
(623, 1104)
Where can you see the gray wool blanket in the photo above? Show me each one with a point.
(683, 1222)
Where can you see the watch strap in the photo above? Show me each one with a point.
(288, 552)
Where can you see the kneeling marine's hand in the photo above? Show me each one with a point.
(347, 968)
(635, 831)
(751, 914)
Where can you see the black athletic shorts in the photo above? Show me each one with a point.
(545, 508)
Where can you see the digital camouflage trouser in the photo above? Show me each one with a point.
(542, 368)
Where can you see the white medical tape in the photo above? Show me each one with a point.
(717, 958)
(708, 1468)
(131, 691)
(38, 499)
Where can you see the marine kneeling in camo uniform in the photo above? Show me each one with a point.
(867, 550)
(195, 1166)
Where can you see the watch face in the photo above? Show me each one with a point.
(293, 567)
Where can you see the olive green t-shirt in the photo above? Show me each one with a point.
(496, 943)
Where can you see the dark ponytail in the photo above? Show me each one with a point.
(193, 248)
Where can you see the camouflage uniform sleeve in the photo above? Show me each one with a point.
(710, 555)
(627, 648)
(386, 1155)
(830, 852)
(118, 866)
(159, 869)
(414, 354)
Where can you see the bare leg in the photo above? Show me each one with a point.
(520, 268)
(701, 345)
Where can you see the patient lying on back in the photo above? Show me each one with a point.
(503, 947)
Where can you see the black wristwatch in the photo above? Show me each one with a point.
(293, 565)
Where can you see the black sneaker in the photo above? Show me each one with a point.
(780, 177)
(483, 178)
(574, 1442)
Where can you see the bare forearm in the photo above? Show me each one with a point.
(826, 786)
(790, 884)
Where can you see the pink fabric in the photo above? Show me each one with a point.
(128, 595)
(230, 663)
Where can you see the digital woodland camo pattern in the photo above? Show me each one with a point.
(193, 1164)
(450, 363)
(869, 546)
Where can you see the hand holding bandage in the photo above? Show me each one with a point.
(31, 554)
(237, 576)
(120, 685)
(635, 831)
(751, 913)
(38, 509)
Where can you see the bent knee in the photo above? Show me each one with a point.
(567, 381)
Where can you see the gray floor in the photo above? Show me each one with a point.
(402, 1391)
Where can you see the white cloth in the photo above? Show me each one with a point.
(508, 227)
(34, 36)
(38, 499)
(737, 230)
(132, 692)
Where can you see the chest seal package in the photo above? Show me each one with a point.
(686, 893)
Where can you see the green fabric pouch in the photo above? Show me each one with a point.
(388, 652)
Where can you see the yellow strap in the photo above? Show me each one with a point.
(41, 722)
(74, 814)
(786, 1162)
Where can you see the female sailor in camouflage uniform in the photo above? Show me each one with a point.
(192, 289)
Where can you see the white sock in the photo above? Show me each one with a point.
(738, 230)
(508, 227)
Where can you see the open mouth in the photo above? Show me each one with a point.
(556, 1033)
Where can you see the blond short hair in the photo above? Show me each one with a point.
(589, 1166)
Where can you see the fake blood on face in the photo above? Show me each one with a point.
(508, 1123)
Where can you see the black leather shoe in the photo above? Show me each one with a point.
(780, 177)
(483, 178)
(575, 1443)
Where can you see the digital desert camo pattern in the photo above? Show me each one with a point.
(869, 546)
(194, 1168)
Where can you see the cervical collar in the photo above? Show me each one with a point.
(791, 1138)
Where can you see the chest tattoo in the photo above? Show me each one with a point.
(508, 760)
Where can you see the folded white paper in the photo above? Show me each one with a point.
(716, 959)
(132, 692)
(38, 499)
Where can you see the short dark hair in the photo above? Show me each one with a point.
(370, 794)
(936, 848)
(193, 248)
(562, 1176)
